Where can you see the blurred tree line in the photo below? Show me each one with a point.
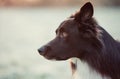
(57, 2)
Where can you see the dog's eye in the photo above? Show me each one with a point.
(63, 34)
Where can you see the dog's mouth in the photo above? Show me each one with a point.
(49, 56)
(54, 58)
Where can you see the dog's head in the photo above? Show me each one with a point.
(74, 37)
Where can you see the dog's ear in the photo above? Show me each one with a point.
(85, 13)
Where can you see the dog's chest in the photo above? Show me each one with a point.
(84, 71)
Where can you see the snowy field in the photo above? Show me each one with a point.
(24, 30)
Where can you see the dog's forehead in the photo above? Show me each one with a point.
(67, 22)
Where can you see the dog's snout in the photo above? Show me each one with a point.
(43, 49)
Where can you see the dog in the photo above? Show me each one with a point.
(94, 54)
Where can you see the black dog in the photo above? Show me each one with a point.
(91, 46)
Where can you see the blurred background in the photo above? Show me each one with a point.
(25, 25)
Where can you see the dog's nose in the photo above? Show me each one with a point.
(43, 49)
(39, 51)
